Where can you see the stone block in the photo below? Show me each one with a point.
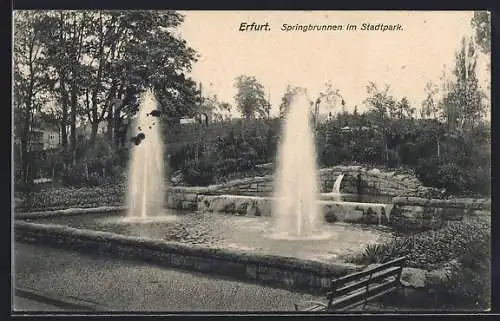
(414, 278)
(189, 205)
(253, 209)
(252, 272)
(241, 207)
(203, 205)
(192, 197)
(203, 264)
(329, 213)
(451, 214)
(325, 282)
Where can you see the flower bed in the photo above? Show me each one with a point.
(62, 198)
(428, 250)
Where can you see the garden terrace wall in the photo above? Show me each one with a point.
(423, 213)
(186, 198)
(261, 185)
(372, 182)
(333, 211)
(284, 272)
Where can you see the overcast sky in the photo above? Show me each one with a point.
(405, 59)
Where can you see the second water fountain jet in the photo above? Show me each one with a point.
(296, 211)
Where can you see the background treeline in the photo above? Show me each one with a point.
(87, 69)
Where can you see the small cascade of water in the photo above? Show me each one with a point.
(336, 185)
(146, 179)
(296, 210)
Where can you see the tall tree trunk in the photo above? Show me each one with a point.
(110, 120)
(117, 121)
(94, 112)
(64, 136)
(93, 133)
(74, 110)
(438, 148)
(25, 150)
(26, 177)
(243, 128)
(118, 103)
(117, 130)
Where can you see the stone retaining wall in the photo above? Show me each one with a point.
(333, 211)
(407, 212)
(286, 272)
(410, 213)
(186, 198)
(422, 213)
(372, 182)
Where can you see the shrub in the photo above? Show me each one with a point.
(427, 250)
(62, 198)
(457, 180)
(469, 281)
(198, 173)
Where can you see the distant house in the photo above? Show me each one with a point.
(42, 136)
(86, 129)
(43, 139)
(50, 139)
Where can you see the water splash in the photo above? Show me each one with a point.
(336, 185)
(146, 179)
(296, 211)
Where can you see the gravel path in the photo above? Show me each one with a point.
(23, 304)
(115, 285)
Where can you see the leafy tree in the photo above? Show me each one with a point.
(403, 109)
(330, 96)
(104, 59)
(91, 66)
(286, 100)
(382, 104)
(154, 57)
(380, 101)
(65, 39)
(481, 22)
(462, 104)
(328, 99)
(250, 97)
(214, 109)
(429, 104)
(29, 82)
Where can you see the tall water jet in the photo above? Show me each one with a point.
(296, 210)
(146, 179)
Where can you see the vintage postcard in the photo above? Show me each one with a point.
(251, 161)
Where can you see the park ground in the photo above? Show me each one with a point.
(59, 280)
